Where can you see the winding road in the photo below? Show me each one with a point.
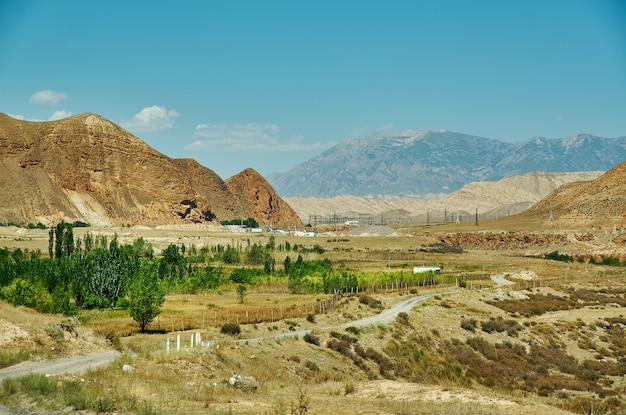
(82, 364)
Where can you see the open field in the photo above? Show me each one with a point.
(551, 343)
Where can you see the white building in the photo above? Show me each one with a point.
(417, 270)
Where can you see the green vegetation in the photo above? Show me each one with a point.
(250, 222)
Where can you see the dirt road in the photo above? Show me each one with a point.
(79, 364)
(84, 363)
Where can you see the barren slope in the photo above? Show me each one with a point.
(259, 198)
(87, 168)
(504, 197)
(603, 197)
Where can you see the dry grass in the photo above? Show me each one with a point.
(426, 362)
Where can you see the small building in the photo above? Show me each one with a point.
(418, 270)
(301, 233)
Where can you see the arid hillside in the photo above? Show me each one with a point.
(89, 169)
(501, 198)
(603, 197)
(257, 196)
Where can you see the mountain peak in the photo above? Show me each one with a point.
(426, 163)
(87, 168)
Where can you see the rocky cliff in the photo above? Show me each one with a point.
(88, 168)
(256, 195)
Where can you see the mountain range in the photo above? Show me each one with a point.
(432, 163)
(505, 197)
(86, 168)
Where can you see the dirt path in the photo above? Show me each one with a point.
(83, 363)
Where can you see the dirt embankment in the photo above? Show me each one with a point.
(508, 240)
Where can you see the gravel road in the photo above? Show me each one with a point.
(55, 367)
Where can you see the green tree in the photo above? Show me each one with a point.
(255, 255)
(146, 295)
(241, 293)
(287, 264)
(172, 264)
(269, 264)
(231, 255)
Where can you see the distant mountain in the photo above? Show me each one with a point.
(89, 169)
(504, 197)
(433, 163)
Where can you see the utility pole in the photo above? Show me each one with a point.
(476, 223)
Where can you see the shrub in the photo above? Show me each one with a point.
(310, 318)
(354, 330)
(469, 324)
(342, 346)
(511, 327)
(231, 329)
(310, 338)
(312, 366)
(369, 301)
(403, 318)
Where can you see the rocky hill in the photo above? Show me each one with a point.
(427, 164)
(601, 198)
(258, 197)
(500, 198)
(89, 169)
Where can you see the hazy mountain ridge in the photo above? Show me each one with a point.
(504, 197)
(432, 163)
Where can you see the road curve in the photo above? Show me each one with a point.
(500, 280)
(384, 316)
(83, 363)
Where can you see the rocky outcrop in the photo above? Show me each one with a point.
(258, 197)
(88, 168)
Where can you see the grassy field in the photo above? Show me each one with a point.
(551, 345)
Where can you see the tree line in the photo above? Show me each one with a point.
(95, 272)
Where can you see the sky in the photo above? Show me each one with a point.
(270, 84)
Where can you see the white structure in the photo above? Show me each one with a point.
(417, 270)
(301, 233)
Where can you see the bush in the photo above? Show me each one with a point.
(310, 338)
(403, 318)
(312, 366)
(231, 329)
(371, 302)
(469, 324)
(342, 346)
(511, 327)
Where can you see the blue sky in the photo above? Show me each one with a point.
(270, 84)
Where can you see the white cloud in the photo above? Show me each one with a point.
(17, 117)
(47, 97)
(559, 119)
(57, 115)
(252, 137)
(152, 119)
